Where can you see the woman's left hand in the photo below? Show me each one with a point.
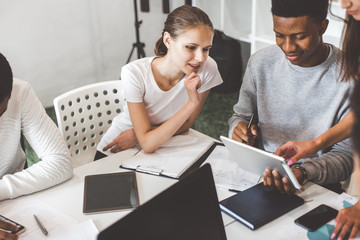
(347, 220)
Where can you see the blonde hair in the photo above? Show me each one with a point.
(179, 20)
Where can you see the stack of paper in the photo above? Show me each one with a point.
(227, 173)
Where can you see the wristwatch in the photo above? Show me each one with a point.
(303, 171)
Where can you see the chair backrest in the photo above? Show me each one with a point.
(84, 114)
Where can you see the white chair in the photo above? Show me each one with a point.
(84, 114)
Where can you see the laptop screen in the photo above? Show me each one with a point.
(189, 209)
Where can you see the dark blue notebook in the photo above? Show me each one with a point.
(259, 205)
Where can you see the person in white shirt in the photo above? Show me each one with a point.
(22, 113)
(165, 93)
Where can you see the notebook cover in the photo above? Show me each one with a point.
(259, 205)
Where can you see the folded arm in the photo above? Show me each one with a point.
(151, 138)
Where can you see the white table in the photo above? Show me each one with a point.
(68, 198)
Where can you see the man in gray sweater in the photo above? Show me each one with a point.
(294, 91)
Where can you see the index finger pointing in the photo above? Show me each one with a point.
(110, 145)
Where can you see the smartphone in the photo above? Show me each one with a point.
(21, 228)
(317, 217)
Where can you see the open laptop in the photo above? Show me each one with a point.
(256, 160)
(189, 209)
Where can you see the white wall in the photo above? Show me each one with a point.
(58, 45)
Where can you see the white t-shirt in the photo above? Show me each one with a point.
(140, 86)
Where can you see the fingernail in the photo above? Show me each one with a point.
(333, 235)
(339, 238)
(290, 162)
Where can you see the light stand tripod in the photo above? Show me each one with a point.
(138, 45)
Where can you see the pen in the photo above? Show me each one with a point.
(251, 121)
(43, 230)
(249, 126)
(234, 190)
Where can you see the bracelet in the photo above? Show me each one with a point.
(305, 176)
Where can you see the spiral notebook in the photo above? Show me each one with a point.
(172, 159)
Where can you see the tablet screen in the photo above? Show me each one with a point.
(112, 191)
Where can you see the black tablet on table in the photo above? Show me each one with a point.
(111, 191)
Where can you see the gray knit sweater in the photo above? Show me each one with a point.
(299, 104)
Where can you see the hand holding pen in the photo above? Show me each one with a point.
(245, 132)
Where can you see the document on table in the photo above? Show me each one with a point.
(226, 171)
(57, 224)
(172, 159)
(81, 231)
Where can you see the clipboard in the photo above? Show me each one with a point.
(174, 159)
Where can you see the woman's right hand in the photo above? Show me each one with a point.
(192, 84)
(293, 151)
(126, 139)
(7, 235)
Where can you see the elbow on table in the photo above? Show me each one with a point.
(148, 146)
(148, 149)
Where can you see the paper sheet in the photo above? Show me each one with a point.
(226, 172)
(22, 210)
(83, 231)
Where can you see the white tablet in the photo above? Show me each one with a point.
(256, 160)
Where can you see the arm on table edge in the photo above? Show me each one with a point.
(151, 138)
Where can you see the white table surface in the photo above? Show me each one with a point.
(68, 198)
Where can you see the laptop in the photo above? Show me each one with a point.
(189, 209)
(256, 160)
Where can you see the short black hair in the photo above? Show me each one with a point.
(316, 9)
(6, 78)
(355, 104)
